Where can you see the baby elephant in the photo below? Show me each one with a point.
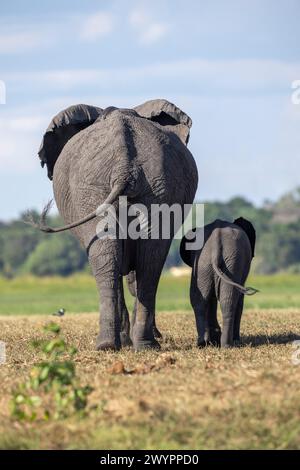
(220, 269)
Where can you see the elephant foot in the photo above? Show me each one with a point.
(156, 332)
(107, 345)
(125, 339)
(201, 344)
(214, 341)
(226, 346)
(146, 344)
(213, 337)
(210, 341)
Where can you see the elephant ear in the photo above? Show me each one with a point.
(63, 126)
(250, 231)
(188, 255)
(167, 114)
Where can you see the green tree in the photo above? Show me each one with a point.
(58, 255)
(25, 249)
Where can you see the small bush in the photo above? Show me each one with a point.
(52, 390)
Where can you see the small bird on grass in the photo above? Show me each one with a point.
(59, 313)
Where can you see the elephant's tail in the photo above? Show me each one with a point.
(131, 278)
(41, 224)
(225, 278)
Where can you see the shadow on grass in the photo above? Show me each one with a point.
(254, 341)
(260, 340)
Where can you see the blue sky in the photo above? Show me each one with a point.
(228, 64)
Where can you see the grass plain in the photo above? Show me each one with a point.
(31, 295)
(178, 398)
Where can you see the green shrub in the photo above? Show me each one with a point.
(52, 390)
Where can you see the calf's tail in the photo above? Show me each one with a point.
(225, 278)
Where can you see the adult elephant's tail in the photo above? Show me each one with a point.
(41, 224)
(225, 278)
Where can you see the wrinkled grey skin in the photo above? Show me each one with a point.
(143, 156)
(219, 271)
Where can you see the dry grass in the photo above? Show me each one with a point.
(180, 397)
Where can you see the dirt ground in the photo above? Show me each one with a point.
(178, 398)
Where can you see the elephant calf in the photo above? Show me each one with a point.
(220, 269)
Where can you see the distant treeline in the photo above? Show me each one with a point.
(25, 250)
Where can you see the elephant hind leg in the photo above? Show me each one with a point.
(200, 307)
(237, 320)
(200, 315)
(151, 256)
(104, 258)
(124, 316)
(213, 330)
(229, 298)
(131, 283)
(156, 332)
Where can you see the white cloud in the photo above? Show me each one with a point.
(196, 75)
(26, 123)
(154, 33)
(138, 18)
(149, 30)
(20, 136)
(18, 42)
(16, 153)
(97, 25)
(17, 38)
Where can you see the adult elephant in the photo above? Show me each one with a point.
(94, 156)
